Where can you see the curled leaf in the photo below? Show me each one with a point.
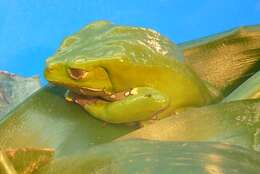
(235, 123)
(47, 120)
(15, 89)
(153, 157)
(227, 59)
(250, 89)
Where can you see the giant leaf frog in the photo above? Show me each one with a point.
(123, 74)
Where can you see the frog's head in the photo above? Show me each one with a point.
(106, 67)
(88, 80)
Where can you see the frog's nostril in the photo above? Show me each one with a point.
(77, 74)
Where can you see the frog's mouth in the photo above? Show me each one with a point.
(85, 96)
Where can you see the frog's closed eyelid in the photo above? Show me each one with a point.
(77, 74)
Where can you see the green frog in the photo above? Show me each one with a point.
(123, 74)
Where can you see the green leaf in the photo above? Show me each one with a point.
(6, 167)
(148, 157)
(250, 89)
(46, 120)
(227, 59)
(235, 123)
(24, 160)
(15, 89)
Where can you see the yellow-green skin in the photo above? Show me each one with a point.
(138, 61)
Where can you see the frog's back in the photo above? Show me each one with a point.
(104, 40)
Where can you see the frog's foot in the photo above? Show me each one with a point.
(137, 104)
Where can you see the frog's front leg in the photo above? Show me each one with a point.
(141, 103)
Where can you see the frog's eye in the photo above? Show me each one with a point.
(77, 74)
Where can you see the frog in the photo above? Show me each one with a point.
(125, 74)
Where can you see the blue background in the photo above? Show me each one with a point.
(31, 30)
